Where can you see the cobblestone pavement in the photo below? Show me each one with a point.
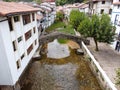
(108, 58)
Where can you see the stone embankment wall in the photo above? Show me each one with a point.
(100, 74)
(105, 82)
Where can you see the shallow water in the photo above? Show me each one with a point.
(56, 50)
(70, 73)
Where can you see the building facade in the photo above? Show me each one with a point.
(116, 21)
(84, 8)
(18, 38)
(100, 6)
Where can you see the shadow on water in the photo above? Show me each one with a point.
(70, 73)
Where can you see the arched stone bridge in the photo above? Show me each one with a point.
(56, 35)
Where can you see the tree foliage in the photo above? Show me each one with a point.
(99, 28)
(85, 26)
(75, 18)
(37, 1)
(62, 2)
(59, 16)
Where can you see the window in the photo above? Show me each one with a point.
(33, 17)
(28, 35)
(36, 42)
(110, 11)
(26, 19)
(16, 18)
(14, 45)
(34, 30)
(18, 64)
(116, 19)
(19, 39)
(103, 2)
(29, 49)
(23, 55)
(102, 11)
(118, 6)
(10, 23)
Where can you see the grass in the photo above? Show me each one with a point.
(55, 25)
(68, 30)
(61, 27)
(62, 41)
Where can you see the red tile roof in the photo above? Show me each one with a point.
(116, 3)
(11, 8)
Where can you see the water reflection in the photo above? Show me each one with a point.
(57, 50)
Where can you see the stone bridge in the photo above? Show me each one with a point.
(57, 35)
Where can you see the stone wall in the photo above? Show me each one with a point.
(56, 35)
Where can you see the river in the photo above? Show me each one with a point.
(60, 69)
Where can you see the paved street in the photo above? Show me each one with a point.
(108, 58)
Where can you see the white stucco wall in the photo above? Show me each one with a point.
(98, 6)
(115, 1)
(116, 11)
(8, 57)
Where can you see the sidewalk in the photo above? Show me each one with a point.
(108, 58)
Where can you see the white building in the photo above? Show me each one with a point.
(100, 6)
(84, 8)
(116, 21)
(48, 11)
(18, 40)
(68, 8)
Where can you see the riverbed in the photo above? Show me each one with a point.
(70, 72)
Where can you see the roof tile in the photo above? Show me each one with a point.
(10, 8)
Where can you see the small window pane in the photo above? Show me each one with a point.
(10, 23)
(26, 19)
(34, 30)
(22, 56)
(14, 45)
(29, 49)
(33, 16)
(102, 11)
(103, 2)
(28, 35)
(35, 42)
(19, 39)
(18, 64)
(16, 18)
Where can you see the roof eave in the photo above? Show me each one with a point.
(17, 13)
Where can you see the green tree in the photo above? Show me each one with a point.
(59, 16)
(84, 26)
(61, 2)
(75, 18)
(37, 1)
(99, 28)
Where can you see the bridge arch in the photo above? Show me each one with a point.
(57, 35)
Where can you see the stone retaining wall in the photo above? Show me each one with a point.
(103, 79)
